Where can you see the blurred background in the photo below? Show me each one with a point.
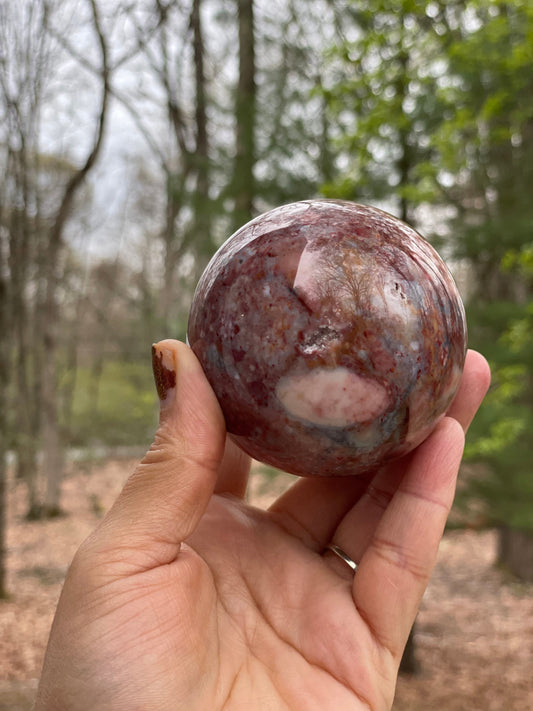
(135, 137)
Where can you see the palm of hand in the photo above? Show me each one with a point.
(247, 617)
(288, 628)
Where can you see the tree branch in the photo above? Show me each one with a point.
(79, 176)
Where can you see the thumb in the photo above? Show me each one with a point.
(164, 499)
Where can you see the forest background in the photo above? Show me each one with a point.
(136, 136)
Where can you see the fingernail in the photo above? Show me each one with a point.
(164, 374)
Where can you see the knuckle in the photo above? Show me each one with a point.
(401, 557)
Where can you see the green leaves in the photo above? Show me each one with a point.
(435, 111)
(114, 407)
(388, 104)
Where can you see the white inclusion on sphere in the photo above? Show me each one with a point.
(332, 398)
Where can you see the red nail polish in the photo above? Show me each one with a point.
(164, 373)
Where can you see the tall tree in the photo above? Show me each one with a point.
(492, 123)
(201, 231)
(27, 62)
(386, 105)
(40, 195)
(294, 151)
(48, 315)
(180, 145)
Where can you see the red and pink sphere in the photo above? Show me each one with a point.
(333, 335)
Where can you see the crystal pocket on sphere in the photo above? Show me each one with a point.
(332, 334)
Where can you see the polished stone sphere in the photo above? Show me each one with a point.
(332, 334)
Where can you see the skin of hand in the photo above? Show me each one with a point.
(185, 597)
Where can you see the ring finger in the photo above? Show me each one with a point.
(356, 529)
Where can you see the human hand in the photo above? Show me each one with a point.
(185, 597)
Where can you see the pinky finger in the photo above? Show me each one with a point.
(395, 569)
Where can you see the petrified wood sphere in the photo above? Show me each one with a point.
(332, 334)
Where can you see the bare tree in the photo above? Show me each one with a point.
(176, 57)
(25, 62)
(202, 213)
(48, 312)
(38, 195)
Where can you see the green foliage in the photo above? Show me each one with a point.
(387, 105)
(435, 107)
(500, 436)
(499, 423)
(521, 260)
(116, 408)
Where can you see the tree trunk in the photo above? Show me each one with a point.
(243, 169)
(326, 161)
(26, 403)
(23, 331)
(51, 435)
(3, 519)
(515, 552)
(201, 231)
(3, 429)
(168, 291)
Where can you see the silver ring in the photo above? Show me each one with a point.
(342, 555)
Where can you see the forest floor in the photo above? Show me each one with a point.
(474, 633)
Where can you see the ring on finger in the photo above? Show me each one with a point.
(342, 555)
